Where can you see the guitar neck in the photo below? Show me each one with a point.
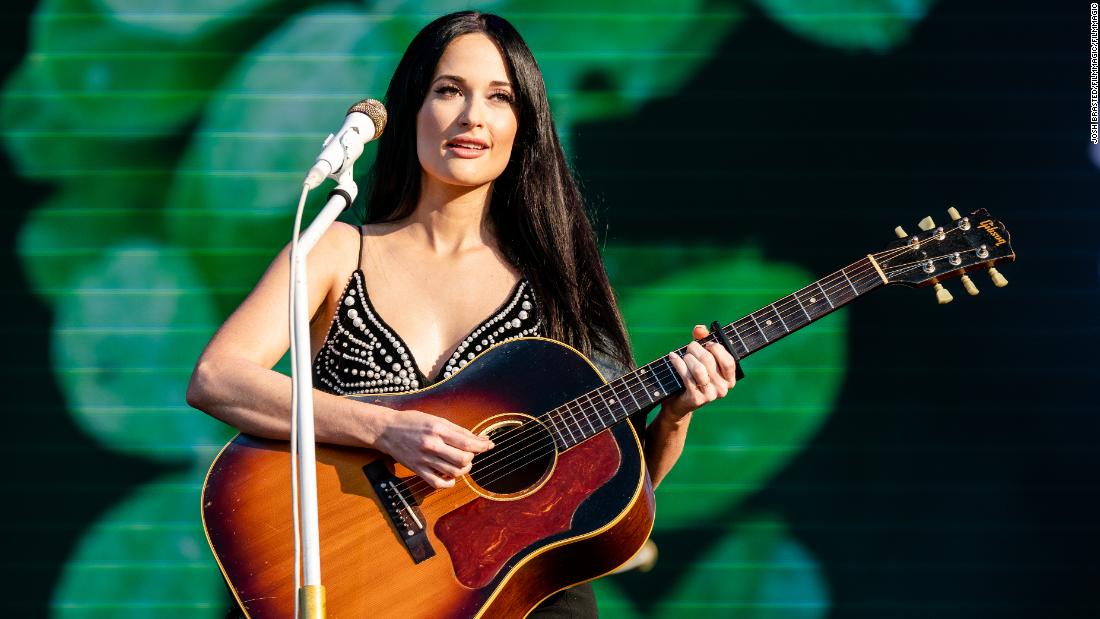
(585, 416)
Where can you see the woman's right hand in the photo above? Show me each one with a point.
(432, 447)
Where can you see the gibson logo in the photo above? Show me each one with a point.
(989, 227)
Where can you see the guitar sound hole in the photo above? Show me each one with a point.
(523, 454)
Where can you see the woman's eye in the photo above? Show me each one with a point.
(502, 96)
(447, 90)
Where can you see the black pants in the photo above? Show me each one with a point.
(574, 603)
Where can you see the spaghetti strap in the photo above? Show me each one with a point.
(359, 258)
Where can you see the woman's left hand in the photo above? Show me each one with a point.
(708, 373)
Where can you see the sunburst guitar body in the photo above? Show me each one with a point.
(520, 527)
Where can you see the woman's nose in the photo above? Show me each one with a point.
(473, 114)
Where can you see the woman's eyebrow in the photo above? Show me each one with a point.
(461, 80)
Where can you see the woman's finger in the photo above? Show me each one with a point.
(682, 370)
(692, 373)
(457, 436)
(727, 365)
(453, 456)
(434, 479)
(699, 374)
(703, 356)
(446, 468)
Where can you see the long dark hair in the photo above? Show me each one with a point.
(536, 210)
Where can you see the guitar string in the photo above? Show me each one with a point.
(662, 371)
(541, 451)
(566, 413)
(530, 433)
(882, 257)
(506, 453)
(782, 310)
(832, 283)
(508, 448)
(665, 370)
(512, 441)
(921, 263)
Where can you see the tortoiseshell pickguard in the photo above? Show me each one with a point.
(482, 535)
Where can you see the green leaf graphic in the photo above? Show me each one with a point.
(756, 570)
(737, 443)
(857, 25)
(146, 558)
(125, 337)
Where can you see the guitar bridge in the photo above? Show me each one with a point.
(404, 514)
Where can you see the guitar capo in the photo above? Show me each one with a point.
(716, 329)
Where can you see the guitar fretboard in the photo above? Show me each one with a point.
(657, 380)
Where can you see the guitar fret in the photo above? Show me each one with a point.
(586, 416)
(573, 414)
(780, 317)
(797, 300)
(572, 439)
(827, 300)
(640, 387)
(618, 398)
(605, 422)
(758, 327)
(598, 403)
(606, 398)
(676, 384)
(651, 393)
(592, 411)
(660, 382)
(733, 328)
(757, 344)
(839, 296)
(554, 425)
(630, 392)
(849, 280)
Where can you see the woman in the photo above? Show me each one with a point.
(471, 202)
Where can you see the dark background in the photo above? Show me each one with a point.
(957, 475)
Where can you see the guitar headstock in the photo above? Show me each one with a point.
(936, 253)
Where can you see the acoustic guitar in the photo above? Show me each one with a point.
(562, 498)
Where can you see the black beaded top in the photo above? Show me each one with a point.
(362, 354)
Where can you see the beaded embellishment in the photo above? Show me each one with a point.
(362, 354)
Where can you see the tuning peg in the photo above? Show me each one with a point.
(971, 289)
(998, 279)
(900, 232)
(943, 295)
(926, 224)
(954, 213)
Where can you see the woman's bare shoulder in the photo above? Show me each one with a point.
(339, 245)
(342, 235)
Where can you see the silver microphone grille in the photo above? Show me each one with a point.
(375, 111)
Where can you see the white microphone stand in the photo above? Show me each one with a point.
(311, 596)
(365, 121)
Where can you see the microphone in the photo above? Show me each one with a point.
(365, 122)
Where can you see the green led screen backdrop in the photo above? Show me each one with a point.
(897, 459)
